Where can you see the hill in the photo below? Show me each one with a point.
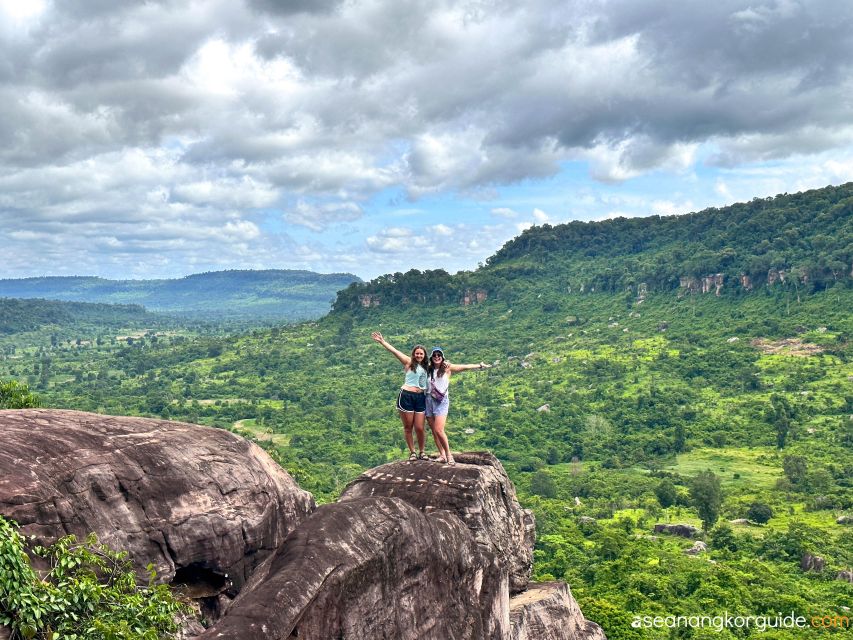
(804, 241)
(20, 316)
(222, 295)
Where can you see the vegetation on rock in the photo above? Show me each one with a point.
(86, 591)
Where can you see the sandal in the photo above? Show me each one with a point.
(451, 461)
(413, 456)
(441, 459)
(423, 456)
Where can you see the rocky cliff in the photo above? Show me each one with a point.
(203, 505)
(547, 611)
(477, 490)
(373, 568)
(412, 549)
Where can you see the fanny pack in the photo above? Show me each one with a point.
(437, 395)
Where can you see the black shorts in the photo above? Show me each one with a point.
(411, 402)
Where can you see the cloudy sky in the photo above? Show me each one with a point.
(162, 138)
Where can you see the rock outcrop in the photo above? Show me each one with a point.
(201, 504)
(697, 548)
(368, 300)
(412, 549)
(810, 562)
(373, 568)
(476, 489)
(547, 611)
(474, 296)
(683, 530)
(705, 284)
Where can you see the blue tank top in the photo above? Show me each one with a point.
(416, 378)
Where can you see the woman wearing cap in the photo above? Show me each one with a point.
(411, 400)
(438, 398)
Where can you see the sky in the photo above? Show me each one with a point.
(162, 138)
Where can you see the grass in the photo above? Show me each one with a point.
(250, 428)
(738, 468)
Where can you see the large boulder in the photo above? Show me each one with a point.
(811, 562)
(373, 568)
(697, 548)
(547, 611)
(477, 489)
(201, 504)
(683, 530)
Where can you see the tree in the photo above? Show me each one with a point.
(666, 493)
(706, 493)
(781, 418)
(759, 512)
(795, 469)
(14, 395)
(542, 484)
(723, 537)
(680, 438)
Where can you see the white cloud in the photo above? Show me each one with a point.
(722, 188)
(226, 192)
(318, 217)
(540, 216)
(397, 240)
(440, 229)
(164, 116)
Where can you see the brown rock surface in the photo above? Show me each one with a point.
(373, 568)
(476, 489)
(547, 611)
(810, 562)
(683, 530)
(198, 502)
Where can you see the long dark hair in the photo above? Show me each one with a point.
(413, 364)
(442, 368)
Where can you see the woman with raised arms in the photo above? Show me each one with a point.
(411, 401)
(438, 398)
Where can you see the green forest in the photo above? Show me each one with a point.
(620, 397)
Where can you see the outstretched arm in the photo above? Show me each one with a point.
(456, 368)
(402, 357)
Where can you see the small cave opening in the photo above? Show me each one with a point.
(197, 581)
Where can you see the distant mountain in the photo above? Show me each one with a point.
(802, 240)
(233, 295)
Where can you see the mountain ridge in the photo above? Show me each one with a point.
(270, 293)
(799, 239)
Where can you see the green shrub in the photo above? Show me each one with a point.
(90, 593)
(14, 395)
(759, 512)
(666, 493)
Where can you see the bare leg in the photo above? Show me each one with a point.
(408, 421)
(418, 423)
(440, 437)
(431, 422)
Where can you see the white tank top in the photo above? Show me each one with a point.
(440, 383)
